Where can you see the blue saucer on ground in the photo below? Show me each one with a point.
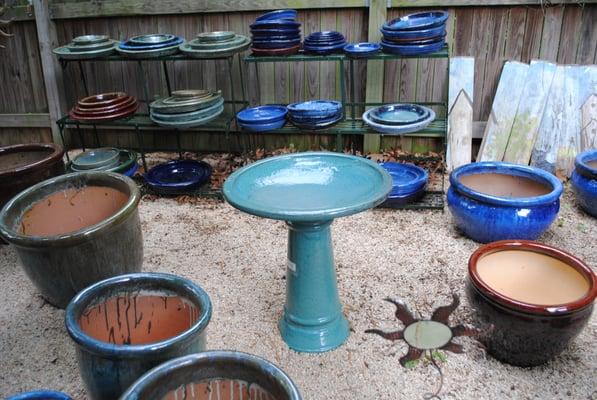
(421, 20)
(315, 108)
(421, 34)
(412, 49)
(278, 14)
(178, 176)
(399, 114)
(261, 114)
(40, 395)
(408, 183)
(363, 49)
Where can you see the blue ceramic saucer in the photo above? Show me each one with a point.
(315, 108)
(276, 37)
(320, 124)
(276, 31)
(398, 129)
(412, 49)
(137, 47)
(361, 49)
(261, 114)
(178, 176)
(275, 23)
(334, 42)
(275, 44)
(415, 34)
(315, 119)
(263, 127)
(399, 114)
(324, 49)
(406, 178)
(325, 36)
(40, 395)
(419, 20)
(416, 41)
(277, 15)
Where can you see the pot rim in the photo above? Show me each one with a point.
(182, 286)
(507, 169)
(57, 152)
(551, 310)
(41, 394)
(580, 163)
(18, 239)
(165, 369)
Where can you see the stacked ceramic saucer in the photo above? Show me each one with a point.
(419, 33)
(87, 46)
(106, 159)
(187, 108)
(397, 119)
(361, 50)
(104, 107)
(276, 33)
(262, 118)
(178, 177)
(326, 42)
(315, 114)
(150, 46)
(408, 183)
(215, 44)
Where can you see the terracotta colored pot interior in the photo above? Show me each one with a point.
(136, 318)
(13, 160)
(70, 210)
(531, 277)
(503, 185)
(220, 389)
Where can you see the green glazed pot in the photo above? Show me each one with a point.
(62, 265)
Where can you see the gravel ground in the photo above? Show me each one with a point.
(240, 261)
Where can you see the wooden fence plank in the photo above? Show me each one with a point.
(550, 38)
(503, 111)
(569, 37)
(38, 120)
(531, 44)
(587, 48)
(588, 137)
(530, 110)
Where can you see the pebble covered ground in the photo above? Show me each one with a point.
(240, 260)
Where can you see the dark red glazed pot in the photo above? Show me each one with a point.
(526, 334)
(24, 165)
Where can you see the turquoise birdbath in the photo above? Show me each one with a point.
(309, 190)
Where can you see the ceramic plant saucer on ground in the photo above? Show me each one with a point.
(102, 158)
(179, 176)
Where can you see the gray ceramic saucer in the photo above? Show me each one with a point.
(184, 106)
(164, 51)
(225, 44)
(190, 124)
(398, 129)
(90, 39)
(199, 53)
(218, 36)
(188, 116)
(89, 47)
(191, 93)
(102, 158)
(65, 53)
(154, 38)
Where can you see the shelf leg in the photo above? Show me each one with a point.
(241, 66)
(81, 137)
(97, 139)
(178, 146)
(141, 147)
(230, 65)
(83, 80)
(352, 95)
(167, 76)
(143, 82)
(258, 83)
(342, 90)
(61, 130)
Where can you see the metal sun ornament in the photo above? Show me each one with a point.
(427, 336)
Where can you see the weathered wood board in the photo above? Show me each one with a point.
(460, 135)
(530, 110)
(462, 78)
(503, 111)
(588, 132)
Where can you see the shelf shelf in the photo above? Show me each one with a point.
(172, 57)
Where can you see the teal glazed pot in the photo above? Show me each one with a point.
(197, 375)
(584, 181)
(64, 264)
(517, 201)
(126, 325)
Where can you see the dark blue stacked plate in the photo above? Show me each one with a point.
(262, 118)
(326, 42)
(361, 50)
(277, 32)
(414, 34)
(177, 177)
(315, 114)
(408, 183)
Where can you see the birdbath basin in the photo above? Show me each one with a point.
(309, 190)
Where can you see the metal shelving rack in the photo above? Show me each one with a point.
(356, 126)
(139, 122)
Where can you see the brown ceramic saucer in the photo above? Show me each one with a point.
(102, 100)
(105, 110)
(117, 115)
(276, 52)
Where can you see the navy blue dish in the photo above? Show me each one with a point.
(487, 218)
(263, 126)
(40, 395)
(275, 44)
(584, 181)
(322, 50)
(178, 176)
(315, 108)
(275, 24)
(261, 114)
(316, 125)
(406, 178)
(412, 49)
(358, 50)
(414, 35)
(315, 119)
(136, 47)
(275, 31)
(399, 114)
(276, 37)
(325, 36)
(277, 15)
(421, 20)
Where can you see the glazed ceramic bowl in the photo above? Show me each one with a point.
(584, 181)
(63, 264)
(526, 333)
(492, 201)
(24, 165)
(40, 395)
(126, 325)
(222, 371)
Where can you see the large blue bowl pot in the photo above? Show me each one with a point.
(197, 375)
(520, 203)
(62, 265)
(126, 325)
(40, 395)
(584, 181)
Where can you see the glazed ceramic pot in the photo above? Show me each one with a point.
(24, 165)
(584, 181)
(198, 375)
(126, 325)
(62, 264)
(492, 201)
(40, 395)
(525, 321)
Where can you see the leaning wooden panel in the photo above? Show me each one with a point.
(462, 77)
(460, 135)
(588, 130)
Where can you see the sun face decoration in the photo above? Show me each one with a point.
(426, 335)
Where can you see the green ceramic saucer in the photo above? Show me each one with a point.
(188, 116)
(218, 36)
(219, 53)
(190, 124)
(67, 54)
(90, 39)
(184, 106)
(226, 44)
(139, 54)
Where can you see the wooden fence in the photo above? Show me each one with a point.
(565, 33)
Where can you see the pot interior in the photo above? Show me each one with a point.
(532, 277)
(17, 159)
(220, 389)
(139, 317)
(71, 209)
(504, 185)
(592, 164)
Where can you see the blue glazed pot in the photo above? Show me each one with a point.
(216, 370)
(40, 395)
(488, 218)
(584, 181)
(126, 325)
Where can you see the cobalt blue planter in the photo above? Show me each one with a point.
(197, 374)
(584, 181)
(40, 395)
(126, 325)
(487, 218)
